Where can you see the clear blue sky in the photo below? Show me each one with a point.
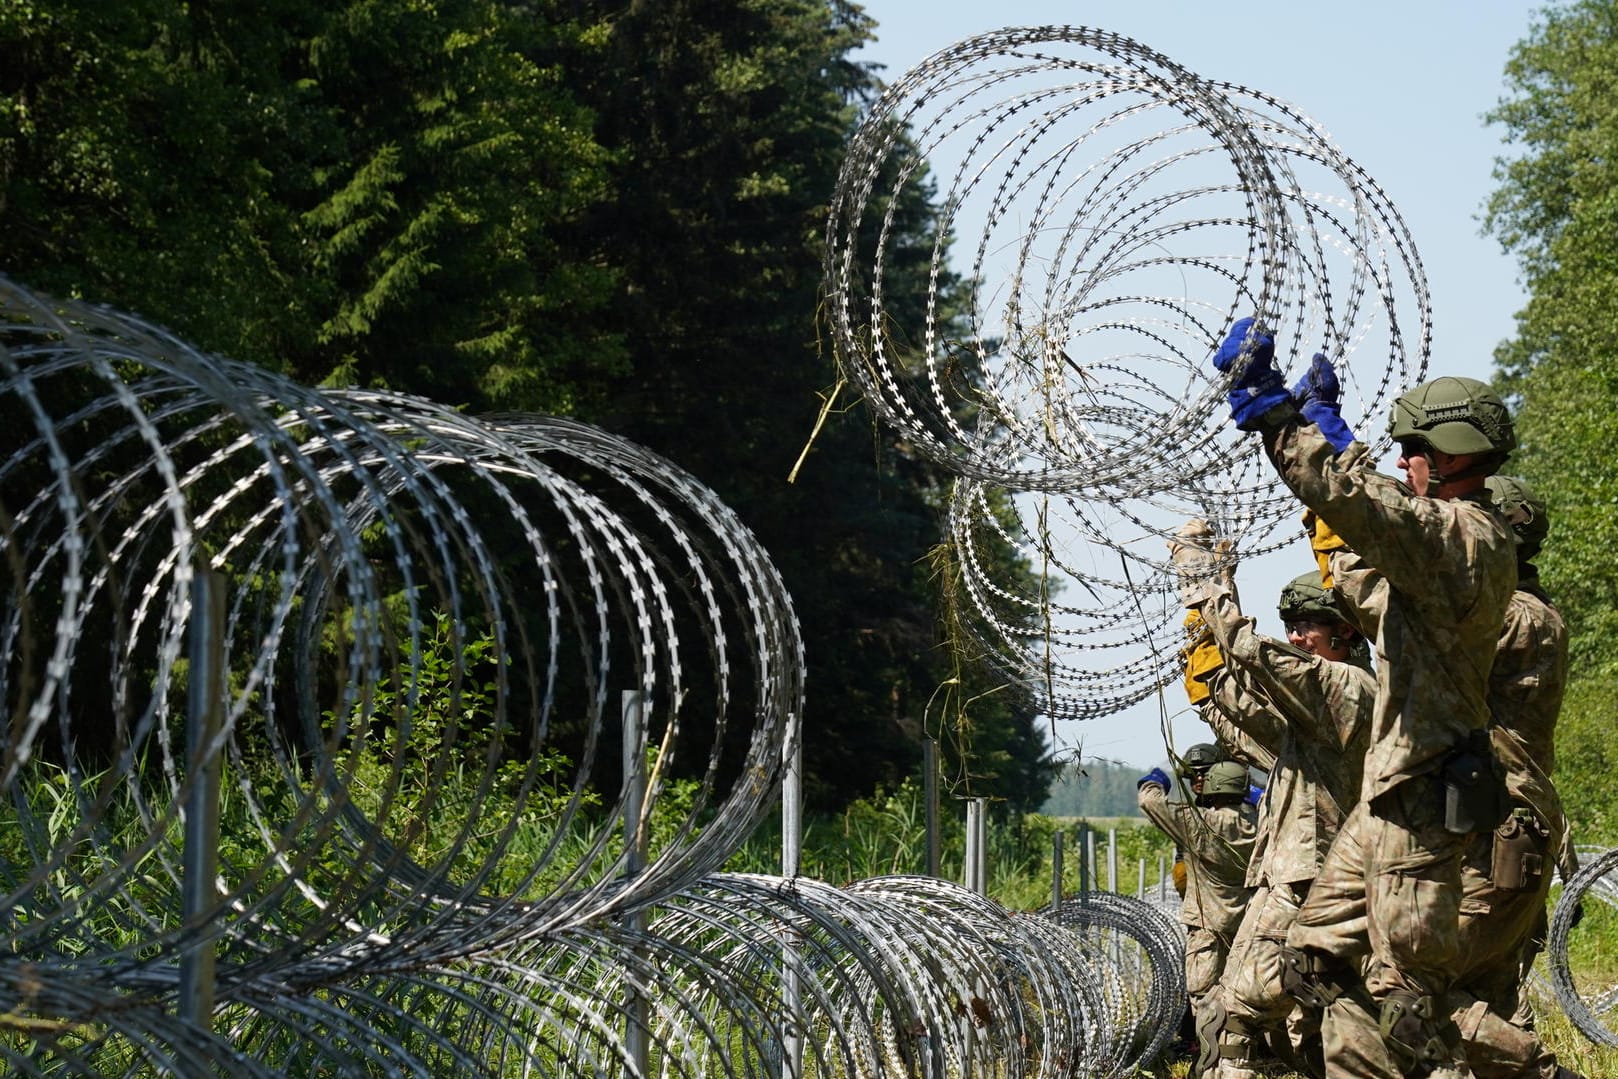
(1401, 87)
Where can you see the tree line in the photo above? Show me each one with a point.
(614, 211)
(1094, 788)
(607, 210)
(1555, 210)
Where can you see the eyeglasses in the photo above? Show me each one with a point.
(1301, 626)
(1412, 447)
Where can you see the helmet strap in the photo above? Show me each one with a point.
(1434, 479)
(1485, 465)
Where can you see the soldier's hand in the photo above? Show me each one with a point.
(1195, 559)
(1155, 778)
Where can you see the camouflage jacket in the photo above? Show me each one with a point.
(1218, 843)
(1426, 580)
(1312, 715)
(1525, 696)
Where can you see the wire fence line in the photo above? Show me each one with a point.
(492, 701)
(497, 696)
(1591, 998)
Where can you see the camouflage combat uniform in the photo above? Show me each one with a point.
(1502, 923)
(1218, 841)
(1310, 717)
(1428, 581)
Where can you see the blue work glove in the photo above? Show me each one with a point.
(1259, 387)
(1157, 776)
(1254, 793)
(1317, 394)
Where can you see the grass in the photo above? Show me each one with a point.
(1573, 1050)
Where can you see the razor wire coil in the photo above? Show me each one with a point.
(430, 617)
(1125, 212)
(420, 604)
(1589, 1005)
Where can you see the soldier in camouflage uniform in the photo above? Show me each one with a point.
(1506, 875)
(1301, 708)
(1426, 569)
(1216, 832)
(1193, 768)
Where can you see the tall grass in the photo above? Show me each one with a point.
(887, 834)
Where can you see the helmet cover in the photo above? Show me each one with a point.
(1304, 600)
(1523, 510)
(1226, 777)
(1455, 415)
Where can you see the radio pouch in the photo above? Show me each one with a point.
(1474, 793)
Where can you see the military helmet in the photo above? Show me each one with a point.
(1202, 756)
(1523, 510)
(1456, 415)
(1226, 777)
(1304, 600)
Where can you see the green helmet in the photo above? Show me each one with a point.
(1202, 756)
(1523, 510)
(1226, 777)
(1303, 599)
(1454, 415)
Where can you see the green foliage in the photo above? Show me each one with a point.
(1556, 210)
(609, 211)
(880, 835)
(456, 166)
(372, 192)
(1586, 758)
(887, 834)
(428, 763)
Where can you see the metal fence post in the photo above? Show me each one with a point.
(929, 786)
(1056, 870)
(976, 875)
(791, 1063)
(205, 701)
(1084, 864)
(637, 1013)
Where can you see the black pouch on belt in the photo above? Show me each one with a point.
(1474, 793)
(1518, 858)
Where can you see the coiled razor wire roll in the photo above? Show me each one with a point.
(427, 617)
(1126, 211)
(1088, 632)
(1121, 212)
(1594, 889)
(385, 667)
(1145, 948)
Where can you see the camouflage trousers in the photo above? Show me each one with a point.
(1386, 905)
(1389, 891)
(1494, 1047)
(1353, 1045)
(1251, 995)
(1501, 930)
(1251, 984)
(1205, 954)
